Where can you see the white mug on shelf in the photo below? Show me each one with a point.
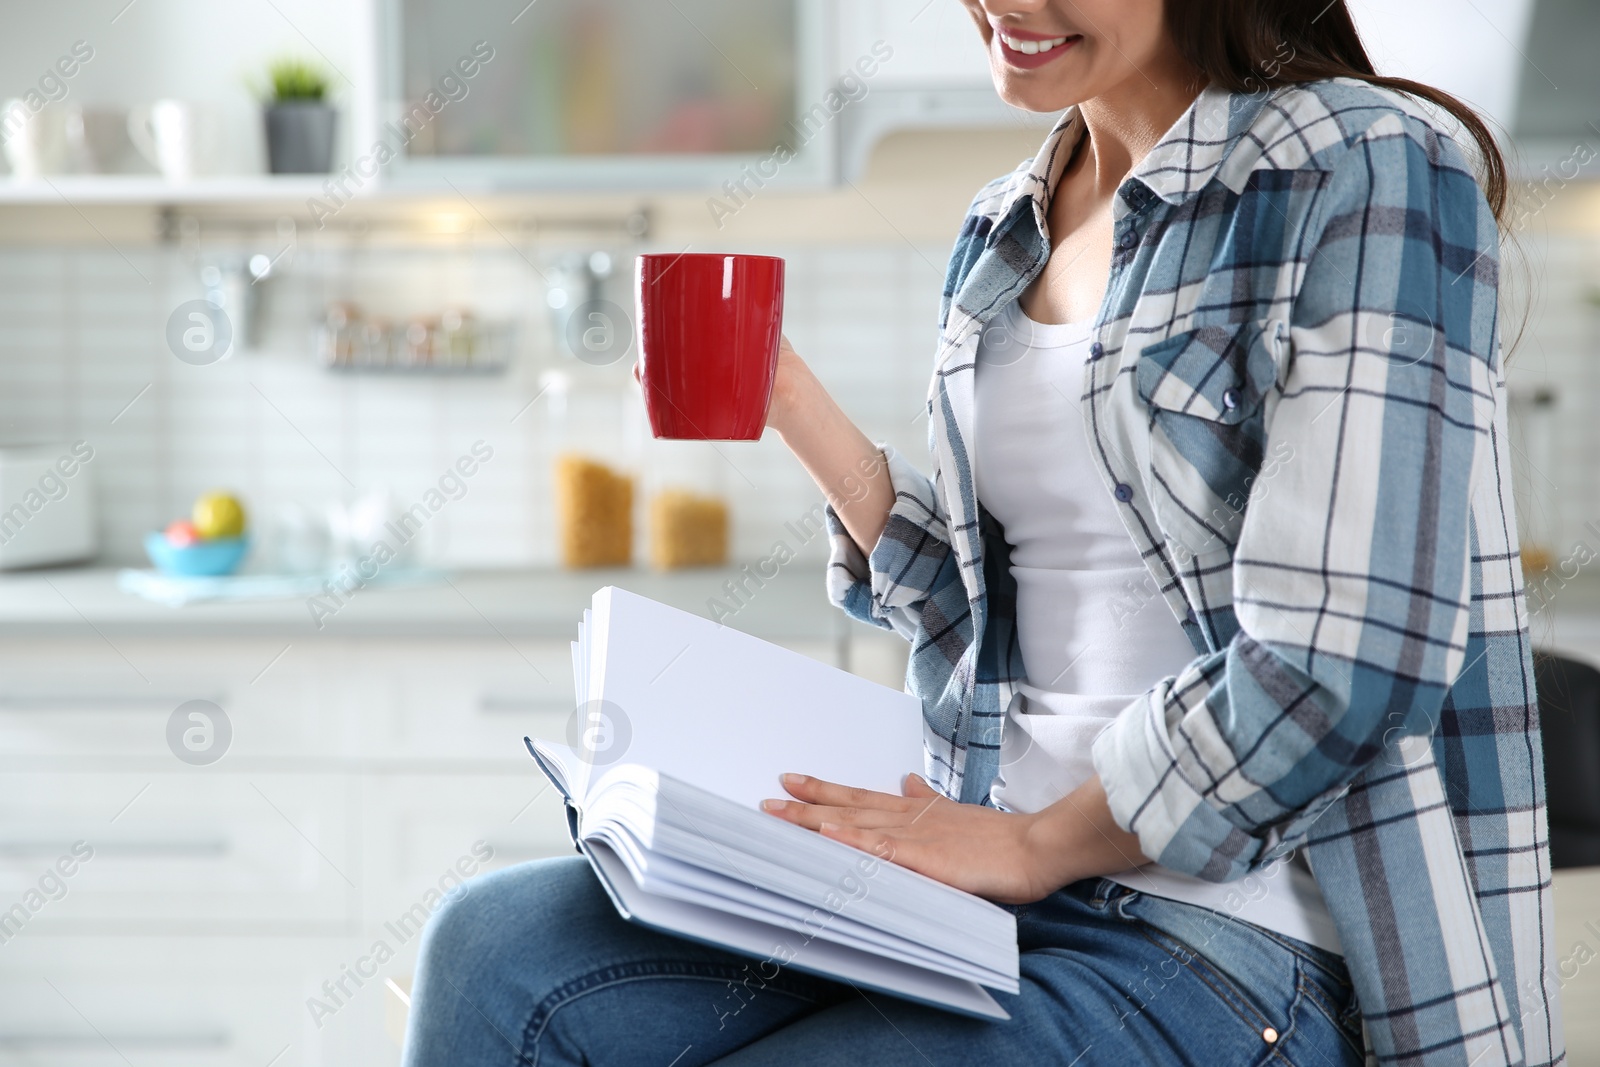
(43, 141)
(168, 134)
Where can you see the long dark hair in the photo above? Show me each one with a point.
(1248, 45)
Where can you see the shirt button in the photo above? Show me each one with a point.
(1123, 492)
(1097, 350)
(1189, 614)
(1129, 239)
(1230, 398)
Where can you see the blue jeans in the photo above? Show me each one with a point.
(533, 966)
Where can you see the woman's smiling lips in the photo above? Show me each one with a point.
(1025, 49)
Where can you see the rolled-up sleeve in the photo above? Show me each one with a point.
(905, 567)
(1351, 576)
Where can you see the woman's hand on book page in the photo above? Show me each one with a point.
(1003, 856)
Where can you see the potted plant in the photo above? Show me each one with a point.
(300, 122)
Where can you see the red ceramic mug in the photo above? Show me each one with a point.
(709, 326)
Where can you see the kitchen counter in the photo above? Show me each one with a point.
(536, 604)
(543, 603)
(533, 604)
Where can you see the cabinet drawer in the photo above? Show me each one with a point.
(462, 699)
(77, 705)
(189, 1002)
(421, 828)
(63, 702)
(181, 853)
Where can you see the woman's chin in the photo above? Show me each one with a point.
(1018, 93)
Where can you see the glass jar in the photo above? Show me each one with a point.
(594, 433)
(688, 517)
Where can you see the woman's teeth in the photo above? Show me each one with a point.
(1029, 48)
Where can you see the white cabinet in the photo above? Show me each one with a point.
(427, 831)
(214, 1001)
(464, 700)
(363, 777)
(207, 903)
(67, 702)
(182, 854)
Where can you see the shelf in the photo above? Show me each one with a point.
(491, 342)
(150, 189)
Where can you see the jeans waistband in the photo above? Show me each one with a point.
(1249, 953)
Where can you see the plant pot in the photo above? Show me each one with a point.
(300, 137)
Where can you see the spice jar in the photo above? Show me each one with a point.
(416, 347)
(457, 341)
(372, 347)
(337, 341)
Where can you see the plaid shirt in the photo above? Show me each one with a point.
(1296, 399)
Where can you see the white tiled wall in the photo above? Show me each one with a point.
(82, 335)
(1557, 478)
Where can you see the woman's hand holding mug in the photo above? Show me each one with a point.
(714, 365)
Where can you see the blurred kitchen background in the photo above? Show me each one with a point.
(313, 265)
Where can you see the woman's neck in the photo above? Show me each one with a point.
(1126, 122)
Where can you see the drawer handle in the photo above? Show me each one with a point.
(126, 849)
(211, 1039)
(491, 704)
(54, 702)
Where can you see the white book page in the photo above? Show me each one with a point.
(682, 881)
(728, 712)
(774, 943)
(681, 824)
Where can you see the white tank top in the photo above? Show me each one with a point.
(1094, 631)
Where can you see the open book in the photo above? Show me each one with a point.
(683, 728)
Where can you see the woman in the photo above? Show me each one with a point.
(1219, 538)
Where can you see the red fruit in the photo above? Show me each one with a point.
(181, 533)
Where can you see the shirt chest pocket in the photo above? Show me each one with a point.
(1206, 390)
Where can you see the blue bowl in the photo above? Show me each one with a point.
(203, 559)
